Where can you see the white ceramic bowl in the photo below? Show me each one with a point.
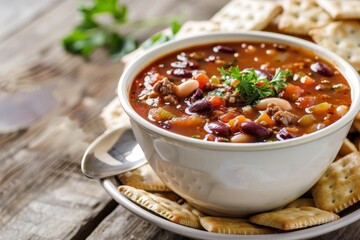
(238, 179)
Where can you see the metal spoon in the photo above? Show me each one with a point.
(115, 151)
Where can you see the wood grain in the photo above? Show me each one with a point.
(43, 194)
(16, 14)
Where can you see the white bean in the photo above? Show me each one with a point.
(341, 110)
(242, 138)
(186, 88)
(281, 103)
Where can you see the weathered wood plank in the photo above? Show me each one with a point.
(121, 224)
(43, 194)
(17, 13)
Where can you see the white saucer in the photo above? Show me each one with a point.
(110, 185)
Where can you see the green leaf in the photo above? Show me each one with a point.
(252, 86)
(155, 39)
(175, 27)
(83, 42)
(90, 33)
(162, 37)
(278, 80)
(120, 46)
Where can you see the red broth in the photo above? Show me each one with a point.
(241, 92)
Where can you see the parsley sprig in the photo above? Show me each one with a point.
(92, 33)
(251, 85)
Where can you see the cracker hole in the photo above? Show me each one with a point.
(333, 201)
(296, 15)
(331, 186)
(351, 191)
(346, 177)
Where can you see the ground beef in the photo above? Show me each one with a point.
(171, 98)
(164, 87)
(271, 109)
(285, 118)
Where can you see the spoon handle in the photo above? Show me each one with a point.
(114, 152)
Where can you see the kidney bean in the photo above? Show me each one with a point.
(197, 95)
(180, 73)
(223, 49)
(322, 69)
(283, 134)
(202, 106)
(264, 73)
(184, 64)
(255, 129)
(219, 128)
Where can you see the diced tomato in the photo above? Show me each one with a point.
(217, 101)
(307, 81)
(292, 92)
(202, 78)
(264, 118)
(235, 82)
(304, 102)
(234, 123)
(227, 117)
(259, 84)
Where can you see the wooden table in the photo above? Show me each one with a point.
(50, 103)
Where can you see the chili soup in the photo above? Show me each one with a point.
(241, 92)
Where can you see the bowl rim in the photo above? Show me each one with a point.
(147, 58)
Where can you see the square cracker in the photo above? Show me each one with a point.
(299, 16)
(233, 226)
(347, 147)
(341, 9)
(294, 218)
(339, 187)
(342, 37)
(144, 178)
(301, 202)
(113, 115)
(192, 28)
(246, 15)
(161, 206)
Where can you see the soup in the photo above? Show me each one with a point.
(241, 92)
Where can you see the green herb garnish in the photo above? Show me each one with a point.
(217, 92)
(251, 85)
(92, 33)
